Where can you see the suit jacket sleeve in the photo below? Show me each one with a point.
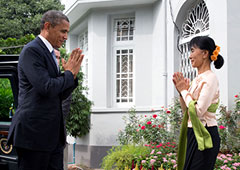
(37, 68)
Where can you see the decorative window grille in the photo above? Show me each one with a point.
(83, 45)
(185, 65)
(196, 23)
(124, 29)
(83, 41)
(124, 75)
(123, 53)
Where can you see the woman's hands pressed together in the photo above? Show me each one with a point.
(180, 82)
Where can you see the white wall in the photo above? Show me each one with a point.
(218, 31)
(106, 119)
(233, 54)
(156, 59)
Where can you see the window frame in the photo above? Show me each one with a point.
(120, 45)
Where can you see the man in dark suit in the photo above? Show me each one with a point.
(37, 129)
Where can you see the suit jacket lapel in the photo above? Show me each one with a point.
(48, 54)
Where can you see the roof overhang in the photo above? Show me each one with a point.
(80, 7)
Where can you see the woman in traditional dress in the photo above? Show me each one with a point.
(199, 140)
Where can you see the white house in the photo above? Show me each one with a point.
(131, 52)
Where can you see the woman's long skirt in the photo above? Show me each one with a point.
(201, 160)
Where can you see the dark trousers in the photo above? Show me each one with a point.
(39, 160)
(201, 160)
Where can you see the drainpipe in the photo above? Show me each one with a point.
(73, 162)
(165, 74)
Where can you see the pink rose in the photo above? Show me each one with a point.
(222, 127)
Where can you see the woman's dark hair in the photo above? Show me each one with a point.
(207, 43)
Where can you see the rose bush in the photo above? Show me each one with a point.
(153, 138)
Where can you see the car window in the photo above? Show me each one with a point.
(6, 100)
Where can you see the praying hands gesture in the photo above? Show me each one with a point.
(74, 62)
(180, 82)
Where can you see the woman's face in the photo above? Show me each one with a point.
(197, 56)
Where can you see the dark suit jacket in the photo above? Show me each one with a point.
(38, 121)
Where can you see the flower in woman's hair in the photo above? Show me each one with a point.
(215, 53)
(222, 127)
(213, 57)
(218, 48)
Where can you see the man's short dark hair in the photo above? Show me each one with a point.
(54, 17)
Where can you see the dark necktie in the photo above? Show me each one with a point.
(55, 59)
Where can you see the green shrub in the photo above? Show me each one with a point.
(13, 42)
(157, 127)
(6, 98)
(78, 121)
(120, 157)
(229, 127)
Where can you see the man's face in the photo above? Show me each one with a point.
(58, 35)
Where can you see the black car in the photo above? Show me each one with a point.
(8, 103)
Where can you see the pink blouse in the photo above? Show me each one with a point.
(204, 89)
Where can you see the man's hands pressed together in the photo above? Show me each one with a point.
(74, 62)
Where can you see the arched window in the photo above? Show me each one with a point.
(196, 23)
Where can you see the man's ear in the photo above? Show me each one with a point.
(47, 25)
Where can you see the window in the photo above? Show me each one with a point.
(196, 23)
(124, 75)
(6, 99)
(123, 60)
(124, 29)
(83, 45)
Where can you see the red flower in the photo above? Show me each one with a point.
(145, 115)
(133, 166)
(143, 127)
(139, 125)
(222, 127)
(168, 111)
(149, 123)
(236, 96)
(154, 116)
(154, 126)
(160, 145)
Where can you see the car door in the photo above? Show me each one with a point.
(8, 104)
